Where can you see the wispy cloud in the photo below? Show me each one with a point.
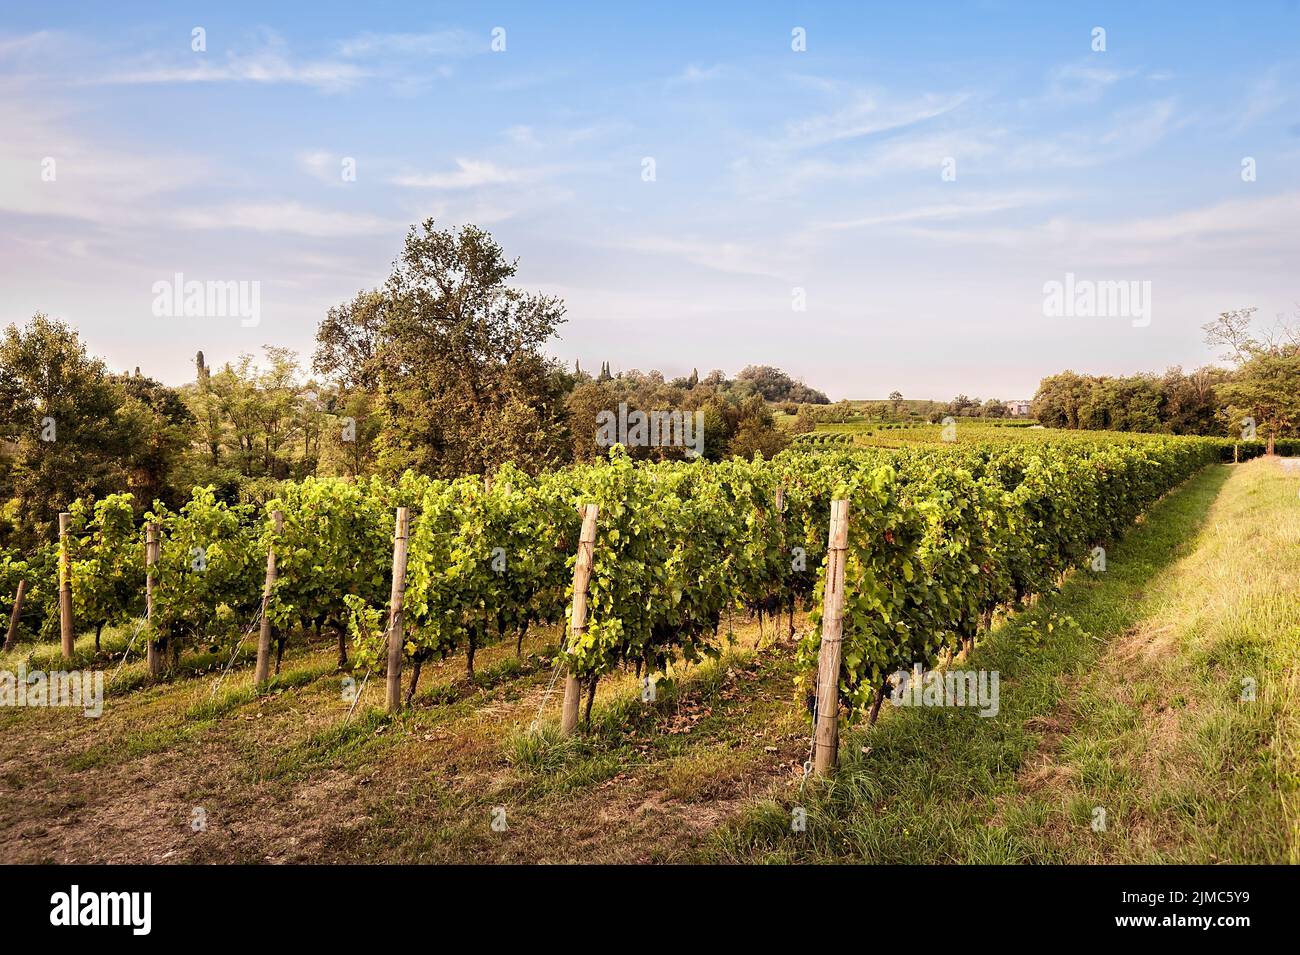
(49, 169)
(697, 74)
(271, 65)
(327, 167)
(468, 174)
(1128, 132)
(739, 258)
(285, 217)
(1074, 84)
(965, 207)
(1266, 96)
(439, 43)
(868, 114)
(24, 45)
(1246, 233)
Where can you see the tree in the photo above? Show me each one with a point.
(756, 432)
(257, 420)
(348, 342)
(350, 433)
(1191, 405)
(584, 404)
(207, 411)
(1059, 399)
(961, 405)
(59, 410)
(896, 401)
(775, 385)
(453, 353)
(158, 430)
(1266, 383)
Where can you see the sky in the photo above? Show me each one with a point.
(871, 196)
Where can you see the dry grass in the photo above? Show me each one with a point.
(286, 777)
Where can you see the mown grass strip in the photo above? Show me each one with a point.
(931, 785)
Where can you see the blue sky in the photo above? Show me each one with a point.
(775, 170)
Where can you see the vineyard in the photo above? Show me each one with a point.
(938, 541)
(250, 672)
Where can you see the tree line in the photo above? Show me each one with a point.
(443, 369)
(1257, 394)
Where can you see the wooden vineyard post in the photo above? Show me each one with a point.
(12, 636)
(153, 650)
(826, 734)
(263, 669)
(1236, 454)
(65, 586)
(780, 512)
(396, 634)
(578, 625)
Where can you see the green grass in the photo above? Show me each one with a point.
(1130, 703)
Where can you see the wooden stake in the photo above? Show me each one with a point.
(153, 646)
(396, 633)
(780, 510)
(12, 636)
(1236, 454)
(65, 586)
(263, 670)
(826, 735)
(578, 625)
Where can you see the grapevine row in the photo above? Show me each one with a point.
(939, 540)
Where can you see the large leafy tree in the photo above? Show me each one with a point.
(60, 414)
(159, 429)
(1266, 383)
(453, 352)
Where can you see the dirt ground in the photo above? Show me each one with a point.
(192, 770)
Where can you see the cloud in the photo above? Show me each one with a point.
(92, 182)
(973, 205)
(866, 116)
(1249, 234)
(284, 217)
(267, 66)
(1078, 83)
(439, 43)
(905, 153)
(697, 74)
(270, 62)
(722, 256)
(1266, 96)
(1260, 217)
(1131, 131)
(469, 174)
(327, 167)
(367, 56)
(31, 44)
